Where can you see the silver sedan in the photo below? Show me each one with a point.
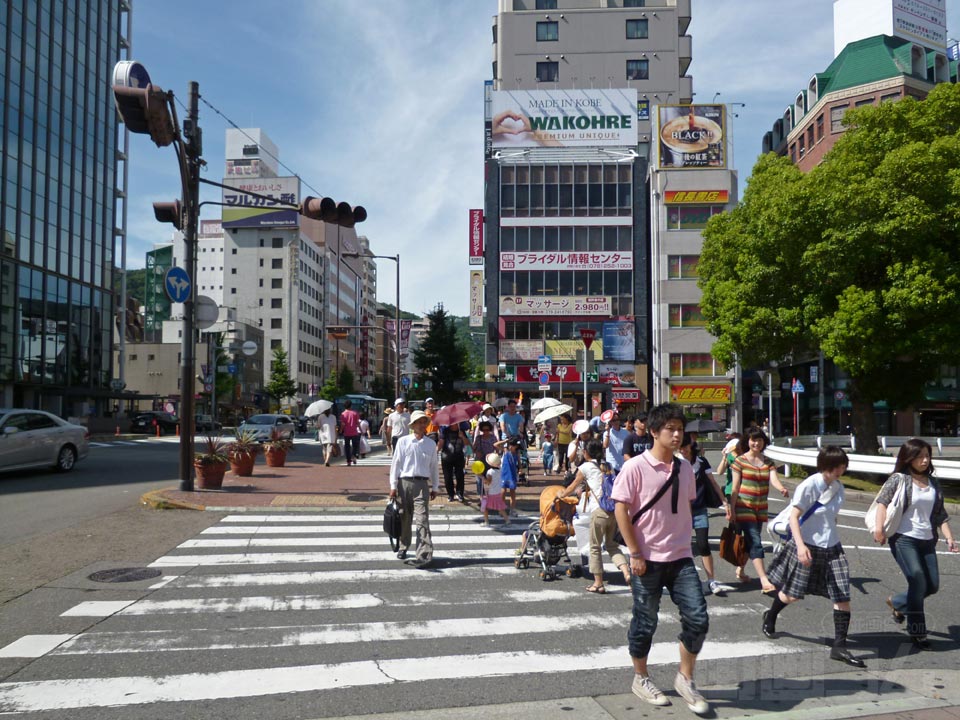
(34, 438)
(265, 424)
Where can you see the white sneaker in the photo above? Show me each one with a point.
(691, 696)
(716, 588)
(644, 689)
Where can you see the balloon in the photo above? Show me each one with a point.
(478, 467)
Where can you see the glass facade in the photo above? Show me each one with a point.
(59, 133)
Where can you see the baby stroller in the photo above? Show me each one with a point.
(545, 540)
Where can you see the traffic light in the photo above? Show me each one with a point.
(169, 212)
(329, 211)
(144, 110)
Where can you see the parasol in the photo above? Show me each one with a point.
(553, 411)
(317, 407)
(544, 403)
(702, 425)
(457, 413)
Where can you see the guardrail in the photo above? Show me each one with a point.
(790, 453)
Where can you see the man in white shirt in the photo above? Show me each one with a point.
(399, 422)
(415, 477)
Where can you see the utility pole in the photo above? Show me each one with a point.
(193, 147)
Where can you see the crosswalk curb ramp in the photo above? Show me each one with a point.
(309, 615)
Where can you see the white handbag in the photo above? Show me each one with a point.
(894, 509)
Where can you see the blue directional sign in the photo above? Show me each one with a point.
(405, 381)
(177, 284)
(232, 369)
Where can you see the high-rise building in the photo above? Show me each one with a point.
(58, 183)
(569, 128)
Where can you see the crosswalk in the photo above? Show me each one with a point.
(314, 610)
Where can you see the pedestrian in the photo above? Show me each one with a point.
(639, 439)
(433, 430)
(487, 414)
(327, 434)
(581, 434)
(546, 453)
(350, 429)
(364, 435)
(812, 561)
(614, 439)
(385, 428)
(564, 438)
(753, 475)
(453, 441)
(603, 524)
(725, 466)
(511, 421)
(415, 477)
(655, 525)
(483, 445)
(510, 469)
(492, 491)
(703, 476)
(399, 422)
(914, 542)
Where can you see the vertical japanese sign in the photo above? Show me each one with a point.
(476, 237)
(476, 298)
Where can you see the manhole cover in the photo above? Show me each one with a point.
(118, 575)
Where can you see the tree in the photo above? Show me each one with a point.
(441, 355)
(345, 381)
(382, 387)
(281, 385)
(858, 257)
(331, 388)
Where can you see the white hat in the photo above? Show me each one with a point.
(418, 415)
(398, 401)
(486, 406)
(493, 460)
(428, 400)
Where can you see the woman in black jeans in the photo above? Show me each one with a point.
(914, 542)
(453, 439)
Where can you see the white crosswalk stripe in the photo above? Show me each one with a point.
(266, 608)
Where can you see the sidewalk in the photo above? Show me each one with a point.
(304, 483)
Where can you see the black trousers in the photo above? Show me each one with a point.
(452, 466)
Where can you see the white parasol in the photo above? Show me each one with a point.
(317, 407)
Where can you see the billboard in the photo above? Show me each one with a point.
(567, 349)
(476, 237)
(619, 340)
(701, 393)
(691, 136)
(564, 118)
(526, 350)
(243, 210)
(476, 298)
(517, 305)
(922, 21)
(696, 197)
(604, 260)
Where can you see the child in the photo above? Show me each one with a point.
(492, 497)
(510, 472)
(546, 450)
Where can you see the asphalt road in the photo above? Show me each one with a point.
(308, 615)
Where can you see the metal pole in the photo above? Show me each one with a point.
(396, 379)
(820, 399)
(193, 150)
(213, 385)
(586, 402)
(770, 403)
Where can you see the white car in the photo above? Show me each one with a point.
(264, 425)
(34, 438)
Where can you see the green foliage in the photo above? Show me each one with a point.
(442, 356)
(331, 387)
(136, 284)
(383, 388)
(345, 381)
(858, 257)
(281, 385)
(390, 310)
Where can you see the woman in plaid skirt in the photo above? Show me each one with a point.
(812, 561)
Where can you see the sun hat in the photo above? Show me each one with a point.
(486, 406)
(399, 401)
(388, 411)
(581, 426)
(418, 415)
(493, 460)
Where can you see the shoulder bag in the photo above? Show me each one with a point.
(733, 548)
(672, 482)
(894, 509)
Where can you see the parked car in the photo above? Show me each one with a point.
(206, 423)
(148, 421)
(34, 438)
(264, 425)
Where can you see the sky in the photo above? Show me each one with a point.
(380, 103)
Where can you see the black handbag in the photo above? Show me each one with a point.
(392, 522)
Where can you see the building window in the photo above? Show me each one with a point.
(276, 323)
(638, 69)
(634, 3)
(234, 251)
(820, 127)
(548, 71)
(133, 358)
(261, 262)
(836, 118)
(695, 365)
(546, 4)
(801, 145)
(893, 97)
(810, 137)
(274, 344)
(548, 31)
(233, 271)
(861, 103)
(636, 29)
(276, 303)
(682, 267)
(686, 315)
(233, 291)
(277, 243)
(276, 264)
(276, 283)
(690, 217)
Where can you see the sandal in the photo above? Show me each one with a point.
(599, 589)
(742, 575)
(898, 617)
(768, 590)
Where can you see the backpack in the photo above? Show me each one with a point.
(607, 503)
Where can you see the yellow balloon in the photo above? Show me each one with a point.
(478, 467)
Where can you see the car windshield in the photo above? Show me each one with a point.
(260, 420)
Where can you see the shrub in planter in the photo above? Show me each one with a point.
(211, 463)
(243, 452)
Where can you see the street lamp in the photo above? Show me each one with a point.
(396, 259)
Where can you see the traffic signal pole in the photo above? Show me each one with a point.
(193, 149)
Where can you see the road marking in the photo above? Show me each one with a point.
(348, 517)
(379, 540)
(97, 608)
(63, 694)
(340, 529)
(32, 646)
(309, 557)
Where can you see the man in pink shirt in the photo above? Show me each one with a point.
(350, 430)
(657, 532)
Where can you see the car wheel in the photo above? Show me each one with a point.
(66, 458)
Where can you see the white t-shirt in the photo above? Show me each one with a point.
(327, 429)
(593, 476)
(494, 488)
(399, 425)
(915, 522)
